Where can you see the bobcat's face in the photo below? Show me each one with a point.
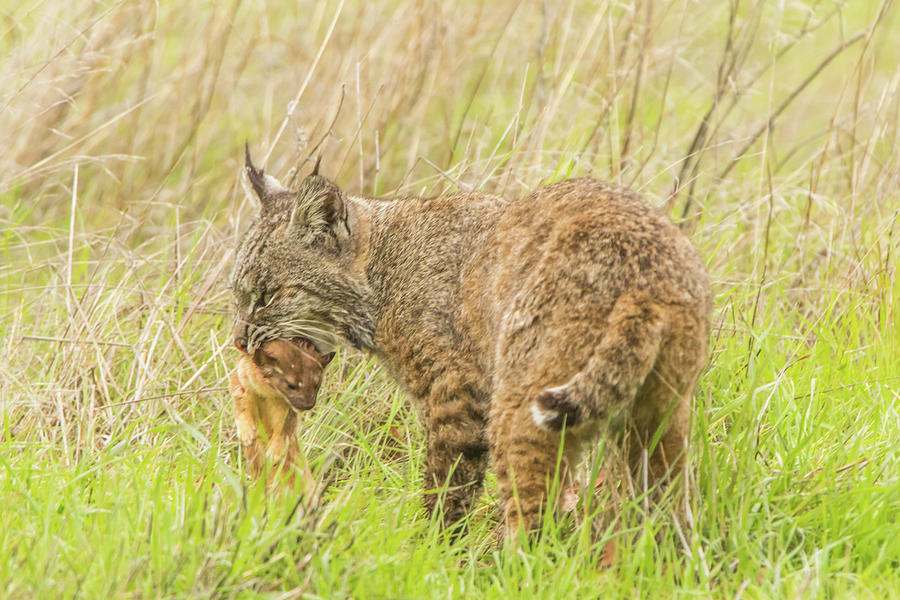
(290, 277)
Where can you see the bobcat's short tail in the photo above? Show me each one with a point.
(614, 373)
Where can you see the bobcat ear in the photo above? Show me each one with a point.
(265, 187)
(326, 358)
(320, 205)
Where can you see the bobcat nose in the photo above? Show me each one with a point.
(240, 336)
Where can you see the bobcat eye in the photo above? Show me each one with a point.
(293, 386)
(262, 300)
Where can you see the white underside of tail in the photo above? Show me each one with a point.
(542, 417)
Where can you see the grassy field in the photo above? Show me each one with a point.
(768, 130)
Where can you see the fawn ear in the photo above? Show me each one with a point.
(320, 206)
(265, 187)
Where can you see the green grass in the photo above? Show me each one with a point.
(123, 125)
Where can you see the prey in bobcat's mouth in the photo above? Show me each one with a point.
(288, 368)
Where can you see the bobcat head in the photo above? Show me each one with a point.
(292, 275)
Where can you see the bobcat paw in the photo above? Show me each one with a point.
(554, 408)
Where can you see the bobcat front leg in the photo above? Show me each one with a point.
(457, 448)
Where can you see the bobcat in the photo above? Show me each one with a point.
(517, 327)
(281, 378)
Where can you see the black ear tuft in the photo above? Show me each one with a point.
(315, 170)
(256, 176)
